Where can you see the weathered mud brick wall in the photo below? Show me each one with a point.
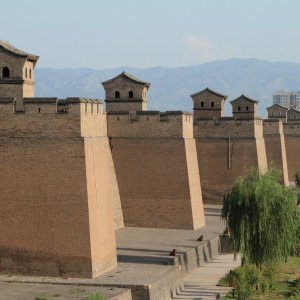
(275, 147)
(156, 166)
(227, 149)
(57, 189)
(292, 144)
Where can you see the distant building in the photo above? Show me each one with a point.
(287, 99)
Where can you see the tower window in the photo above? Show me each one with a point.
(130, 94)
(239, 108)
(247, 108)
(5, 72)
(212, 104)
(117, 94)
(26, 73)
(30, 73)
(202, 104)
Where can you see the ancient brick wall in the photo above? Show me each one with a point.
(150, 124)
(57, 191)
(275, 147)
(292, 144)
(125, 106)
(227, 149)
(155, 161)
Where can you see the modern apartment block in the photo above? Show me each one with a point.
(287, 99)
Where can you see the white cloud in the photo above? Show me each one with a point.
(200, 49)
(195, 43)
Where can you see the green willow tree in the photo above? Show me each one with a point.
(262, 218)
(297, 180)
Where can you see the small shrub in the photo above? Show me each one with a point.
(246, 279)
(270, 272)
(95, 296)
(297, 180)
(293, 293)
(265, 285)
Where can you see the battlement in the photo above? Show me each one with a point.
(52, 116)
(51, 105)
(229, 127)
(273, 126)
(291, 128)
(146, 124)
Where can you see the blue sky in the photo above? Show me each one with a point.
(138, 33)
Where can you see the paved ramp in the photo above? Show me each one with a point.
(201, 283)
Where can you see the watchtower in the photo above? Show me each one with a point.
(293, 115)
(244, 107)
(278, 112)
(208, 104)
(126, 93)
(16, 72)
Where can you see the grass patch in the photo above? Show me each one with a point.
(95, 296)
(224, 281)
(286, 284)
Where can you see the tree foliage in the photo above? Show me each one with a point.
(246, 279)
(297, 180)
(262, 217)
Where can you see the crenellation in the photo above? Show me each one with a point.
(228, 127)
(152, 124)
(291, 128)
(272, 126)
(52, 116)
(54, 105)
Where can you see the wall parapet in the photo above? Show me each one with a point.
(51, 105)
(228, 127)
(291, 129)
(150, 124)
(73, 117)
(273, 126)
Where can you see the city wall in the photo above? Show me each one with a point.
(57, 187)
(292, 144)
(275, 147)
(156, 166)
(226, 149)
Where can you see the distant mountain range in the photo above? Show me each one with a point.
(171, 87)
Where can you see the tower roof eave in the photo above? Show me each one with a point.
(13, 50)
(244, 97)
(210, 91)
(276, 104)
(128, 76)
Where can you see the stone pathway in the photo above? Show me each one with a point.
(201, 284)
